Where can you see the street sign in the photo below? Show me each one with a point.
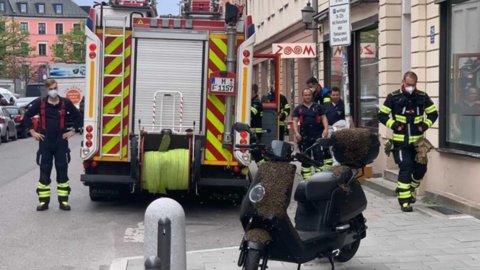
(295, 50)
(339, 19)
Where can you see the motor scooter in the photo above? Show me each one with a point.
(328, 221)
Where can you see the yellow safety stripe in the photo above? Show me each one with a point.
(308, 169)
(42, 186)
(282, 123)
(398, 137)
(257, 130)
(44, 193)
(44, 196)
(327, 99)
(401, 118)
(431, 109)
(385, 109)
(261, 162)
(405, 194)
(418, 119)
(261, 114)
(429, 122)
(415, 138)
(403, 185)
(285, 113)
(62, 192)
(254, 110)
(287, 106)
(64, 185)
(390, 123)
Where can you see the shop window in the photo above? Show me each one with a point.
(460, 72)
(368, 79)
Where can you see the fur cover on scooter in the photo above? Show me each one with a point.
(355, 147)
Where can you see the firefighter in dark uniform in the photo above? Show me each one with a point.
(283, 113)
(408, 106)
(53, 139)
(256, 122)
(334, 111)
(321, 95)
(313, 124)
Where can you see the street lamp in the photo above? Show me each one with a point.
(307, 16)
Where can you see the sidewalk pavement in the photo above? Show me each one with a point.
(423, 239)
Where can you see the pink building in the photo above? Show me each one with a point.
(44, 20)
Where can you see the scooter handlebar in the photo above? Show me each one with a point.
(304, 158)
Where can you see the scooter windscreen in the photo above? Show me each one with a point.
(280, 150)
(356, 147)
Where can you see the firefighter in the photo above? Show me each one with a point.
(256, 122)
(321, 95)
(313, 124)
(53, 140)
(284, 110)
(407, 106)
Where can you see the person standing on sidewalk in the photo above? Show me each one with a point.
(256, 114)
(313, 124)
(408, 106)
(321, 95)
(53, 140)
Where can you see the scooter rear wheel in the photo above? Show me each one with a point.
(348, 252)
(253, 260)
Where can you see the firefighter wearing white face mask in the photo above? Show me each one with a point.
(408, 106)
(53, 142)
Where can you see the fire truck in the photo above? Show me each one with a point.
(162, 94)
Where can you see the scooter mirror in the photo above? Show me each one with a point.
(324, 142)
(241, 127)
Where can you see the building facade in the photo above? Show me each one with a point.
(435, 39)
(44, 20)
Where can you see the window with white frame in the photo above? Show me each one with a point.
(42, 49)
(42, 28)
(24, 27)
(41, 8)
(23, 7)
(59, 28)
(2, 6)
(58, 9)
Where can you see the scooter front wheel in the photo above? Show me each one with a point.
(253, 260)
(348, 252)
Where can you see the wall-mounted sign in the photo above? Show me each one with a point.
(339, 19)
(67, 71)
(295, 50)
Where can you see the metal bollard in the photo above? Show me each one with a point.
(153, 263)
(165, 234)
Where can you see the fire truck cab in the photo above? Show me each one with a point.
(161, 96)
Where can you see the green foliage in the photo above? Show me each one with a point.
(70, 47)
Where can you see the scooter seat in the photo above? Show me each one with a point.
(320, 186)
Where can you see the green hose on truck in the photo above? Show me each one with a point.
(167, 170)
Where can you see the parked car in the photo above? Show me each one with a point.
(35, 90)
(9, 96)
(23, 102)
(17, 115)
(7, 126)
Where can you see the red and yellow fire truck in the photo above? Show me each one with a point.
(161, 96)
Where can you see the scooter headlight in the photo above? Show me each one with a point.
(257, 193)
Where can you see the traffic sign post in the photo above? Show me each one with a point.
(340, 35)
(339, 17)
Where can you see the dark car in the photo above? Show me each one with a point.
(35, 90)
(17, 114)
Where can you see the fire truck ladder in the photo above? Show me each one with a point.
(121, 22)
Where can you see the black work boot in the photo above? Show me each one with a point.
(64, 206)
(406, 207)
(42, 206)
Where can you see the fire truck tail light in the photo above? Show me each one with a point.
(89, 129)
(246, 53)
(243, 141)
(92, 55)
(244, 134)
(89, 144)
(89, 136)
(93, 47)
(246, 61)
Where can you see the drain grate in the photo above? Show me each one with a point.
(444, 210)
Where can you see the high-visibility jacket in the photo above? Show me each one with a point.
(408, 115)
(256, 115)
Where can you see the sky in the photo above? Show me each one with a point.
(164, 6)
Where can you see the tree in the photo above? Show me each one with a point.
(15, 50)
(70, 47)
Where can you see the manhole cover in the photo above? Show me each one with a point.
(444, 210)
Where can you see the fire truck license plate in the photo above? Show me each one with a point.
(223, 85)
